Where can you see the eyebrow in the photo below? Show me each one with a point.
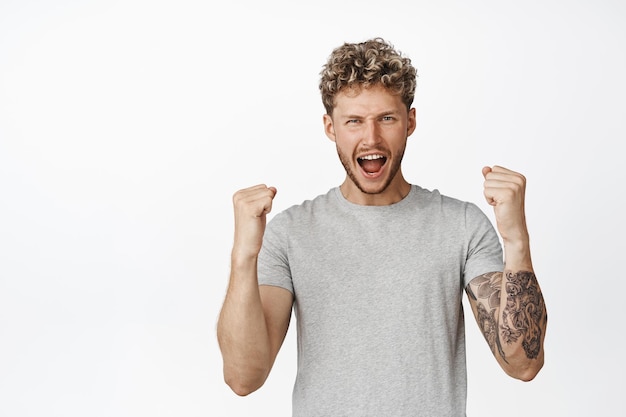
(378, 115)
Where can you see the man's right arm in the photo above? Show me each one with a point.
(254, 319)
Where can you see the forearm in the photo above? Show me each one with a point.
(522, 316)
(242, 330)
(508, 305)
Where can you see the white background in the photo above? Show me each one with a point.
(126, 126)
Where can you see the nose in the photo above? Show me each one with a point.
(371, 132)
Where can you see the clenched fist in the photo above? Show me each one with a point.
(251, 206)
(505, 190)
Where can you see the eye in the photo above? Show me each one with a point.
(352, 121)
(387, 118)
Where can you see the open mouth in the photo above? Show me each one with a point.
(372, 164)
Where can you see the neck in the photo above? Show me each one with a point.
(393, 193)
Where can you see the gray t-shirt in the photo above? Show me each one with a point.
(378, 300)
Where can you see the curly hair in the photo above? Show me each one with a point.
(366, 64)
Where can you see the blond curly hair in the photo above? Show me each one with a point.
(366, 64)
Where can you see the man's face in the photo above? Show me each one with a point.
(370, 128)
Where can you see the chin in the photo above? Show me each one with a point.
(373, 188)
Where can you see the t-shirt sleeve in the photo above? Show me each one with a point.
(273, 263)
(484, 250)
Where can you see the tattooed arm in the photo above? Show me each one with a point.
(511, 314)
(509, 306)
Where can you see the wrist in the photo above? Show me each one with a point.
(517, 255)
(241, 258)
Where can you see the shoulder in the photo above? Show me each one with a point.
(447, 206)
(435, 199)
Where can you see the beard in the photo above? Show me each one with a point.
(396, 162)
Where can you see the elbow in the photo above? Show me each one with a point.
(526, 375)
(241, 385)
(241, 388)
(526, 372)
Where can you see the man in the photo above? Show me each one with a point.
(375, 269)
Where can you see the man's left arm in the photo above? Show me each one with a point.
(508, 305)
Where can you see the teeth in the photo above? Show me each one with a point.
(370, 157)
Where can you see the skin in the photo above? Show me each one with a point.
(508, 306)
(254, 319)
(367, 122)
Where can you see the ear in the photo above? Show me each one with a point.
(412, 122)
(329, 128)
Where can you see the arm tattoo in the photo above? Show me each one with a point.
(488, 288)
(524, 311)
(522, 316)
